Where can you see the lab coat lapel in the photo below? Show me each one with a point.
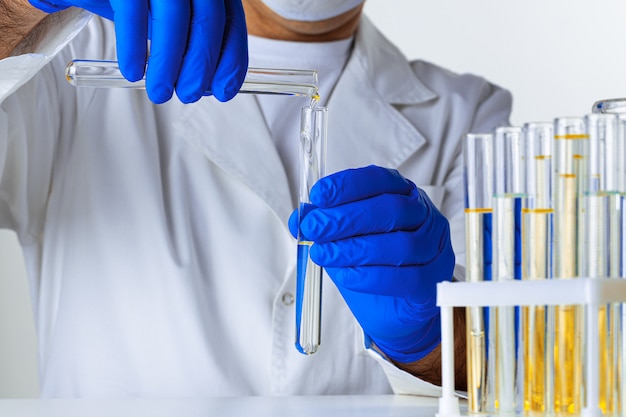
(365, 124)
(234, 136)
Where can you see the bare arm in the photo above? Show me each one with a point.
(18, 20)
(429, 368)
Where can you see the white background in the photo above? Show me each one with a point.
(556, 56)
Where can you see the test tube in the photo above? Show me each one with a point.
(601, 248)
(537, 343)
(107, 74)
(507, 202)
(569, 132)
(618, 106)
(478, 177)
(313, 133)
(612, 105)
(620, 317)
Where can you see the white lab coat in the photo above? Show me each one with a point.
(155, 237)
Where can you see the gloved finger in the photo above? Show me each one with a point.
(392, 281)
(233, 62)
(208, 19)
(416, 283)
(170, 30)
(380, 214)
(394, 249)
(293, 218)
(49, 6)
(131, 31)
(384, 317)
(358, 184)
(367, 309)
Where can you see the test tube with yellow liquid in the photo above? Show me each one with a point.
(537, 215)
(601, 247)
(569, 133)
(478, 177)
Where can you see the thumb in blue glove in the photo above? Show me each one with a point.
(385, 246)
(196, 45)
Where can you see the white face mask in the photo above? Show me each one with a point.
(310, 10)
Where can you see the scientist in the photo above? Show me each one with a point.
(156, 237)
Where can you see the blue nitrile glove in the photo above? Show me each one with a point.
(196, 45)
(386, 246)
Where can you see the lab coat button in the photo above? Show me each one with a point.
(288, 298)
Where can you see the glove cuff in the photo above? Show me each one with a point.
(415, 346)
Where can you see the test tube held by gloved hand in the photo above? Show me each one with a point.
(107, 74)
(313, 132)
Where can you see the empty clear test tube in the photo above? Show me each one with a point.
(507, 203)
(620, 317)
(601, 249)
(478, 177)
(107, 74)
(569, 133)
(612, 106)
(537, 213)
(313, 133)
(617, 106)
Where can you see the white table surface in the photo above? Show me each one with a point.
(305, 406)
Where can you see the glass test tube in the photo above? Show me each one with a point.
(618, 106)
(568, 135)
(620, 309)
(107, 74)
(537, 343)
(613, 106)
(508, 192)
(601, 248)
(313, 134)
(478, 177)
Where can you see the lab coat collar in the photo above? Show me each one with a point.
(387, 69)
(365, 126)
(372, 129)
(234, 136)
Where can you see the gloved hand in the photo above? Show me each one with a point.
(385, 246)
(196, 45)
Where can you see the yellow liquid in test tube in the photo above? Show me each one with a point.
(568, 323)
(537, 341)
(605, 363)
(536, 225)
(476, 360)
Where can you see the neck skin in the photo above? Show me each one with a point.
(17, 20)
(264, 23)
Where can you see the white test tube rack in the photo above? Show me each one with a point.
(589, 292)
